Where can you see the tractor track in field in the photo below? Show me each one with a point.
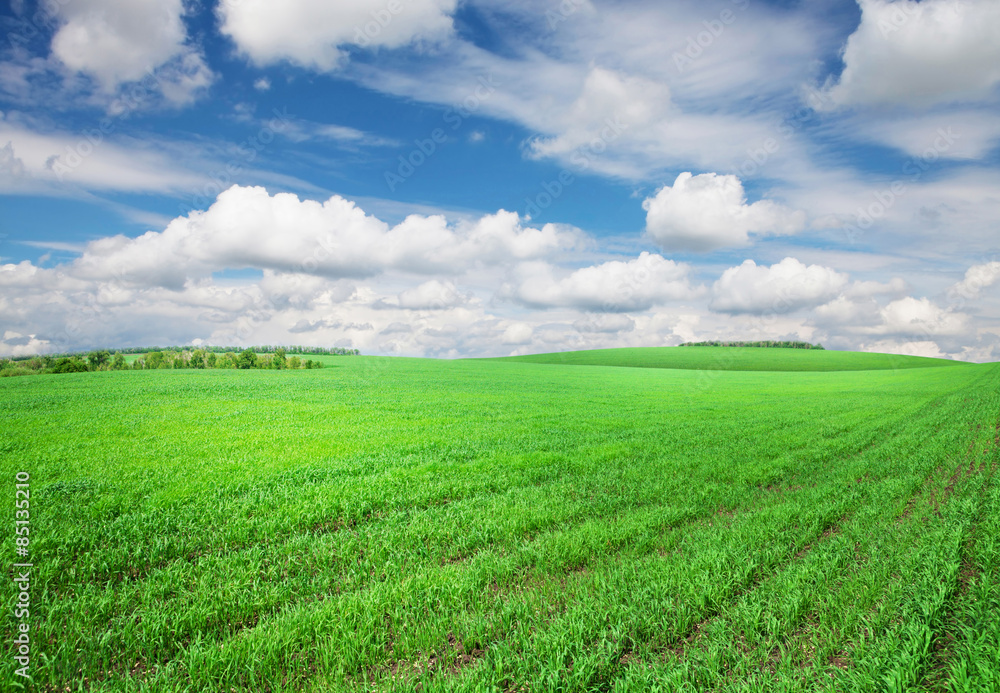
(694, 634)
(920, 491)
(935, 667)
(945, 637)
(833, 529)
(448, 660)
(841, 659)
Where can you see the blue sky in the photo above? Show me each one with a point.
(451, 178)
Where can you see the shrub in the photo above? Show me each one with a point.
(67, 365)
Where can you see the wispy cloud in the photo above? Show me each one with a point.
(304, 131)
(56, 245)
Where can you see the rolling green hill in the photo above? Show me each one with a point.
(735, 359)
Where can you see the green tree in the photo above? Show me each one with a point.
(295, 362)
(210, 359)
(98, 359)
(247, 359)
(198, 358)
(118, 363)
(279, 360)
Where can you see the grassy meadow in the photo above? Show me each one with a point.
(687, 519)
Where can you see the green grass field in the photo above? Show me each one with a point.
(522, 524)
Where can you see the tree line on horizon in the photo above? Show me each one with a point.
(263, 349)
(767, 344)
(201, 359)
(171, 358)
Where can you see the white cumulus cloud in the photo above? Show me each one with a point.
(614, 287)
(919, 316)
(920, 54)
(781, 288)
(121, 41)
(431, 295)
(313, 33)
(977, 278)
(609, 104)
(247, 227)
(844, 311)
(517, 334)
(710, 211)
